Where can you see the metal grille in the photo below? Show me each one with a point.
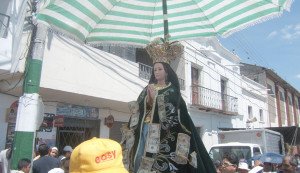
(75, 131)
(215, 100)
(145, 71)
(115, 132)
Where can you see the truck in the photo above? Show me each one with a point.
(246, 144)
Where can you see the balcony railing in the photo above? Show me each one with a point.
(211, 100)
(146, 70)
(4, 24)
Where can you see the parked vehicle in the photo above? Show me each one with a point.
(268, 140)
(241, 150)
(246, 144)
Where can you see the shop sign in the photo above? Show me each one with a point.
(11, 112)
(77, 111)
(58, 121)
(11, 117)
(109, 121)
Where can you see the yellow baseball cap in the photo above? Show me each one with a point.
(97, 156)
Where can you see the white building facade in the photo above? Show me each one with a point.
(83, 87)
(283, 99)
(217, 95)
(254, 104)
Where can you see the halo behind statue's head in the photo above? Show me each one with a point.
(164, 51)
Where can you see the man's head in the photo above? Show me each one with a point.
(243, 166)
(43, 149)
(289, 164)
(8, 153)
(229, 163)
(218, 166)
(53, 152)
(258, 163)
(24, 165)
(67, 151)
(97, 155)
(268, 167)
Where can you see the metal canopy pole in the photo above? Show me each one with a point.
(165, 17)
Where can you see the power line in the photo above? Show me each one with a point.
(22, 55)
(251, 49)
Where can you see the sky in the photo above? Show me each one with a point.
(274, 44)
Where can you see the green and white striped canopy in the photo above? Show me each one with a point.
(138, 22)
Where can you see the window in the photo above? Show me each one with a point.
(143, 57)
(130, 53)
(261, 115)
(145, 71)
(256, 151)
(290, 100)
(224, 99)
(195, 85)
(255, 78)
(181, 84)
(195, 76)
(281, 95)
(223, 86)
(123, 52)
(250, 114)
(241, 152)
(270, 89)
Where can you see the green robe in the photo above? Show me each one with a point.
(186, 156)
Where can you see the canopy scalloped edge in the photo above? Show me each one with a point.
(263, 19)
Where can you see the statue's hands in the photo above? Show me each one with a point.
(150, 93)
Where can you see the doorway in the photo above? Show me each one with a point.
(195, 85)
(76, 130)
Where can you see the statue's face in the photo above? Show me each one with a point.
(159, 72)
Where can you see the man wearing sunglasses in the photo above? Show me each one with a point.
(229, 163)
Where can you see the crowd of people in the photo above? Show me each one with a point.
(230, 164)
(94, 155)
(106, 156)
(46, 160)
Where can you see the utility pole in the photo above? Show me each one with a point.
(30, 109)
